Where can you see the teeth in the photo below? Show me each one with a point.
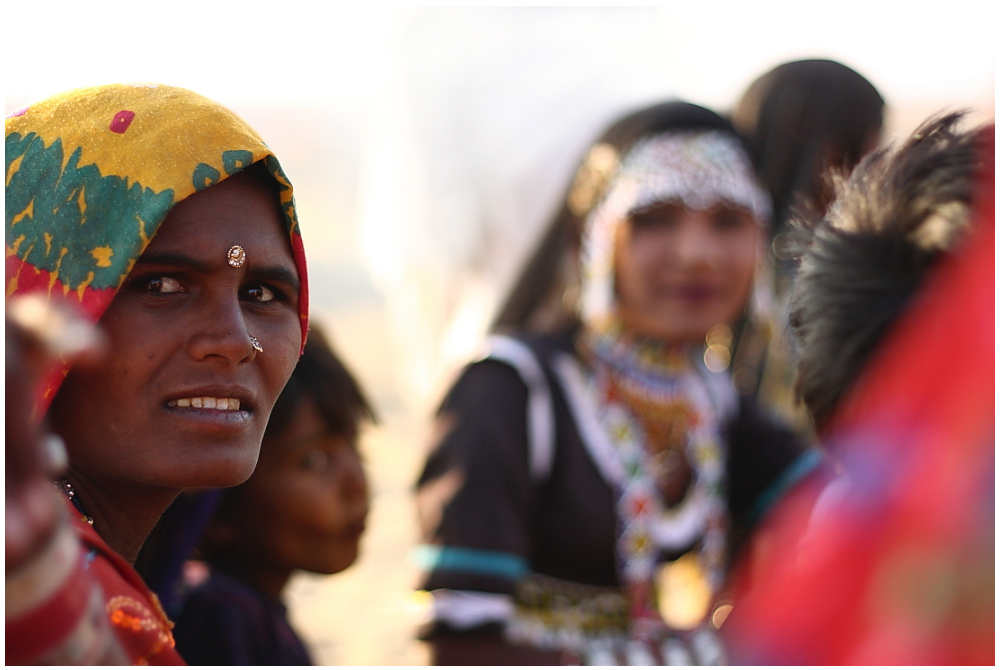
(228, 404)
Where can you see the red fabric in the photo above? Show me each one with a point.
(50, 624)
(901, 570)
(137, 619)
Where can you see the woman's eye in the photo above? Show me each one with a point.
(729, 218)
(259, 294)
(664, 216)
(316, 460)
(161, 285)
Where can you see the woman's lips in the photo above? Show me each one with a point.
(358, 526)
(225, 407)
(206, 402)
(692, 293)
(219, 397)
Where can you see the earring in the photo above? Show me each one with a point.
(256, 344)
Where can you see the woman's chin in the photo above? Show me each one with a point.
(219, 474)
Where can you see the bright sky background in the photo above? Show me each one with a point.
(300, 50)
(428, 146)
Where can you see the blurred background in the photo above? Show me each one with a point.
(429, 146)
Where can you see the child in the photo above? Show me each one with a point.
(889, 557)
(304, 508)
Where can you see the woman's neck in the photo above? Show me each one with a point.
(123, 514)
(627, 352)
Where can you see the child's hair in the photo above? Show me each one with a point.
(892, 219)
(322, 377)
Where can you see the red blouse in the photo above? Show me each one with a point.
(142, 627)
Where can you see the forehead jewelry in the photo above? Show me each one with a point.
(236, 256)
(256, 344)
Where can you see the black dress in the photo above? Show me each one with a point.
(228, 622)
(499, 538)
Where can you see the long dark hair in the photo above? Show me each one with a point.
(543, 279)
(801, 118)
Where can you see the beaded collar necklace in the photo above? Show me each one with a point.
(660, 413)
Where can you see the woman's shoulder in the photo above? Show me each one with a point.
(511, 364)
(766, 456)
(137, 619)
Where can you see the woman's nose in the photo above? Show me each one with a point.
(222, 332)
(695, 244)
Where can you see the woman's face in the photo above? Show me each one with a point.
(678, 272)
(305, 506)
(179, 332)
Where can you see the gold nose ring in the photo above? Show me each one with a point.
(236, 256)
(256, 344)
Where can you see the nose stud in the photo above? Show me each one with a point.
(236, 256)
(256, 344)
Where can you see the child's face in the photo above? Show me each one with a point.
(304, 508)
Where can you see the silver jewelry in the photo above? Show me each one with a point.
(236, 256)
(67, 489)
(256, 344)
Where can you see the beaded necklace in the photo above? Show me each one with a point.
(663, 422)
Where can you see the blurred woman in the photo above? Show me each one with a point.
(593, 474)
(165, 218)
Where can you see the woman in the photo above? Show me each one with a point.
(591, 479)
(165, 218)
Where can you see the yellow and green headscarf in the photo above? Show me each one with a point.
(92, 173)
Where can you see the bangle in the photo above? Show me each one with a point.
(55, 609)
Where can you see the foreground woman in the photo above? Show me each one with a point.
(592, 479)
(163, 216)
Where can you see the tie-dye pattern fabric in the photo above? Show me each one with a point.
(91, 174)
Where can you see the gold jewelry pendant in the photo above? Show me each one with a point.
(683, 592)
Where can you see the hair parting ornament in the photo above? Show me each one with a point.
(699, 168)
